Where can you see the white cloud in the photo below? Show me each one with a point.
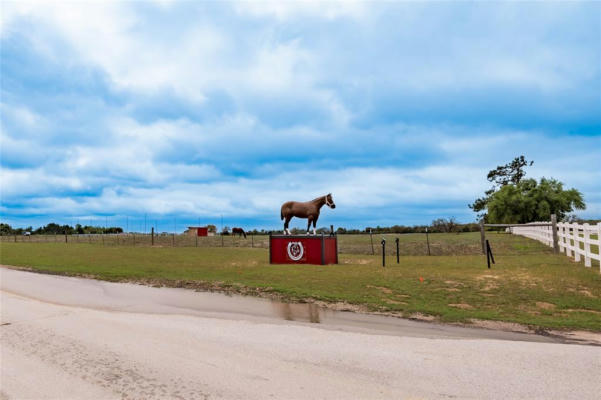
(296, 76)
(287, 9)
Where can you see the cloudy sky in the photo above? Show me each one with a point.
(194, 111)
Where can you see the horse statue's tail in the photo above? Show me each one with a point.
(282, 215)
(244, 233)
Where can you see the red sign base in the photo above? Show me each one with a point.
(303, 249)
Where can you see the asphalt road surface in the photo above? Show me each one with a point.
(84, 339)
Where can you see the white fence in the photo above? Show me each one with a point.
(575, 240)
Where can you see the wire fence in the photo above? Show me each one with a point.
(414, 244)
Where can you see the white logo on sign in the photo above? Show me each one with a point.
(295, 250)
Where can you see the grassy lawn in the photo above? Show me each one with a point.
(528, 285)
(414, 244)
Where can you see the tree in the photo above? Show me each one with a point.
(510, 173)
(444, 225)
(529, 201)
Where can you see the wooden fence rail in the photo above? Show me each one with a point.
(575, 240)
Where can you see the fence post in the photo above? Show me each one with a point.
(482, 236)
(428, 241)
(599, 240)
(383, 252)
(397, 250)
(587, 245)
(65, 237)
(372, 243)
(555, 237)
(152, 236)
(576, 236)
(252, 240)
(567, 239)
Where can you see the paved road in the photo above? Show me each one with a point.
(85, 339)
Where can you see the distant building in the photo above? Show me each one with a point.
(198, 231)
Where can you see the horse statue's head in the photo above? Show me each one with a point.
(330, 201)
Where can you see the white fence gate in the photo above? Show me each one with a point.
(575, 240)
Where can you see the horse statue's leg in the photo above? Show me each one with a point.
(286, 231)
(314, 224)
(309, 220)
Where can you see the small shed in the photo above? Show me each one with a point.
(198, 231)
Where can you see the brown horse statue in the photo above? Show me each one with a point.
(307, 209)
(238, 231)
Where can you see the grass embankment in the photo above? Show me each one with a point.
(528, 285)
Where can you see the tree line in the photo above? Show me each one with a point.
(56, 229)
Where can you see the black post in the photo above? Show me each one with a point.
(152, 236)
(428, 241)
(383, 252)
(489, 255)
(331, 230)
(372, 243)
(252, 240)
(397, 250)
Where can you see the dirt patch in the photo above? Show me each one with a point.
(545, 306)
(361, 261)
(422, 317)
(462, 306)
(452, 289)
(390, 301)
(380, 288)
(486, 276)
(586, 292)
(489, 286)
(584, 311)
(500, 325)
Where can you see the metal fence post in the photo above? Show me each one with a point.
(383, 252)
(428, 241)
(397, 250)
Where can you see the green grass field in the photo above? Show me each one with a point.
(528, 285)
